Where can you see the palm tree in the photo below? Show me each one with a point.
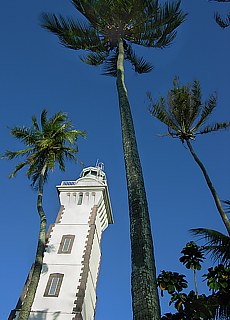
(109, 29)
(217, 244)
(54, 142)
(185, 115)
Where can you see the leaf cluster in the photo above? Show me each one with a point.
(184, 113)
(190, 305)
(171, 282)
(218, 278)
(222, 22)
(217, 244)
(192, 256)
(51, 142)
(106, 22)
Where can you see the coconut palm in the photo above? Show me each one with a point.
(216, 243)
(53, 142)
(109, 29)
(185, 115)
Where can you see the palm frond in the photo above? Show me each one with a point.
(139, 64)
(35, 123)
(110, 65)
(223, 23)
(158, 110)
(94, 58)
(217, 244)
(72, 33)
(87, 9)
(196, 101)
(215, 127)
(14, 154)
(227, 204)
(173, 17)
(208, 108)
(17, 168)
(44, 119)
(157, 26)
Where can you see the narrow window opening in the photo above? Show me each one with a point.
(53, 285)
(80, 198)
(66, 243)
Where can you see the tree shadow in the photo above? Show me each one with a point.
(41, 315)
(36, 315)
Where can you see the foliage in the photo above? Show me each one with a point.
(192, 256)
(171, 282)
(145, 23)
(184, 113)
(217, 244)
(222, 22)
(218, 278)
(190, 305)
(52, 142)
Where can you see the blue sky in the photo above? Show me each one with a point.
(37, 73)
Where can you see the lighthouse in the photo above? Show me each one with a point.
(67, 285)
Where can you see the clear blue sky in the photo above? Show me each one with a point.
(37, 72)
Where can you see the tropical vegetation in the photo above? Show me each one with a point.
(193, 305)
(216, 244)
(52, 142)
(185, 115)
(106, 36)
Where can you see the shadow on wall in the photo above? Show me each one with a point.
(42, 315)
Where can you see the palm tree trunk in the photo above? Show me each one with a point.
(145, 299)
(195, 282)
(29, 298)
(211, 188)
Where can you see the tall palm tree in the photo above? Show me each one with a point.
(185, 115)
(109, 29)
(53, 142)
(217, 244)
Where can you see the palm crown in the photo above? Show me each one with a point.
(137, 22)
(185, 116)
(184, 113)
(51, 143)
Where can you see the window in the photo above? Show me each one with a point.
(66, 243)
(80, 198)
(53, 285)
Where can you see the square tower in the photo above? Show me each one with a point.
(67, 285)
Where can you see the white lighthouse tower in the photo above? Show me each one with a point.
(67, 286)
